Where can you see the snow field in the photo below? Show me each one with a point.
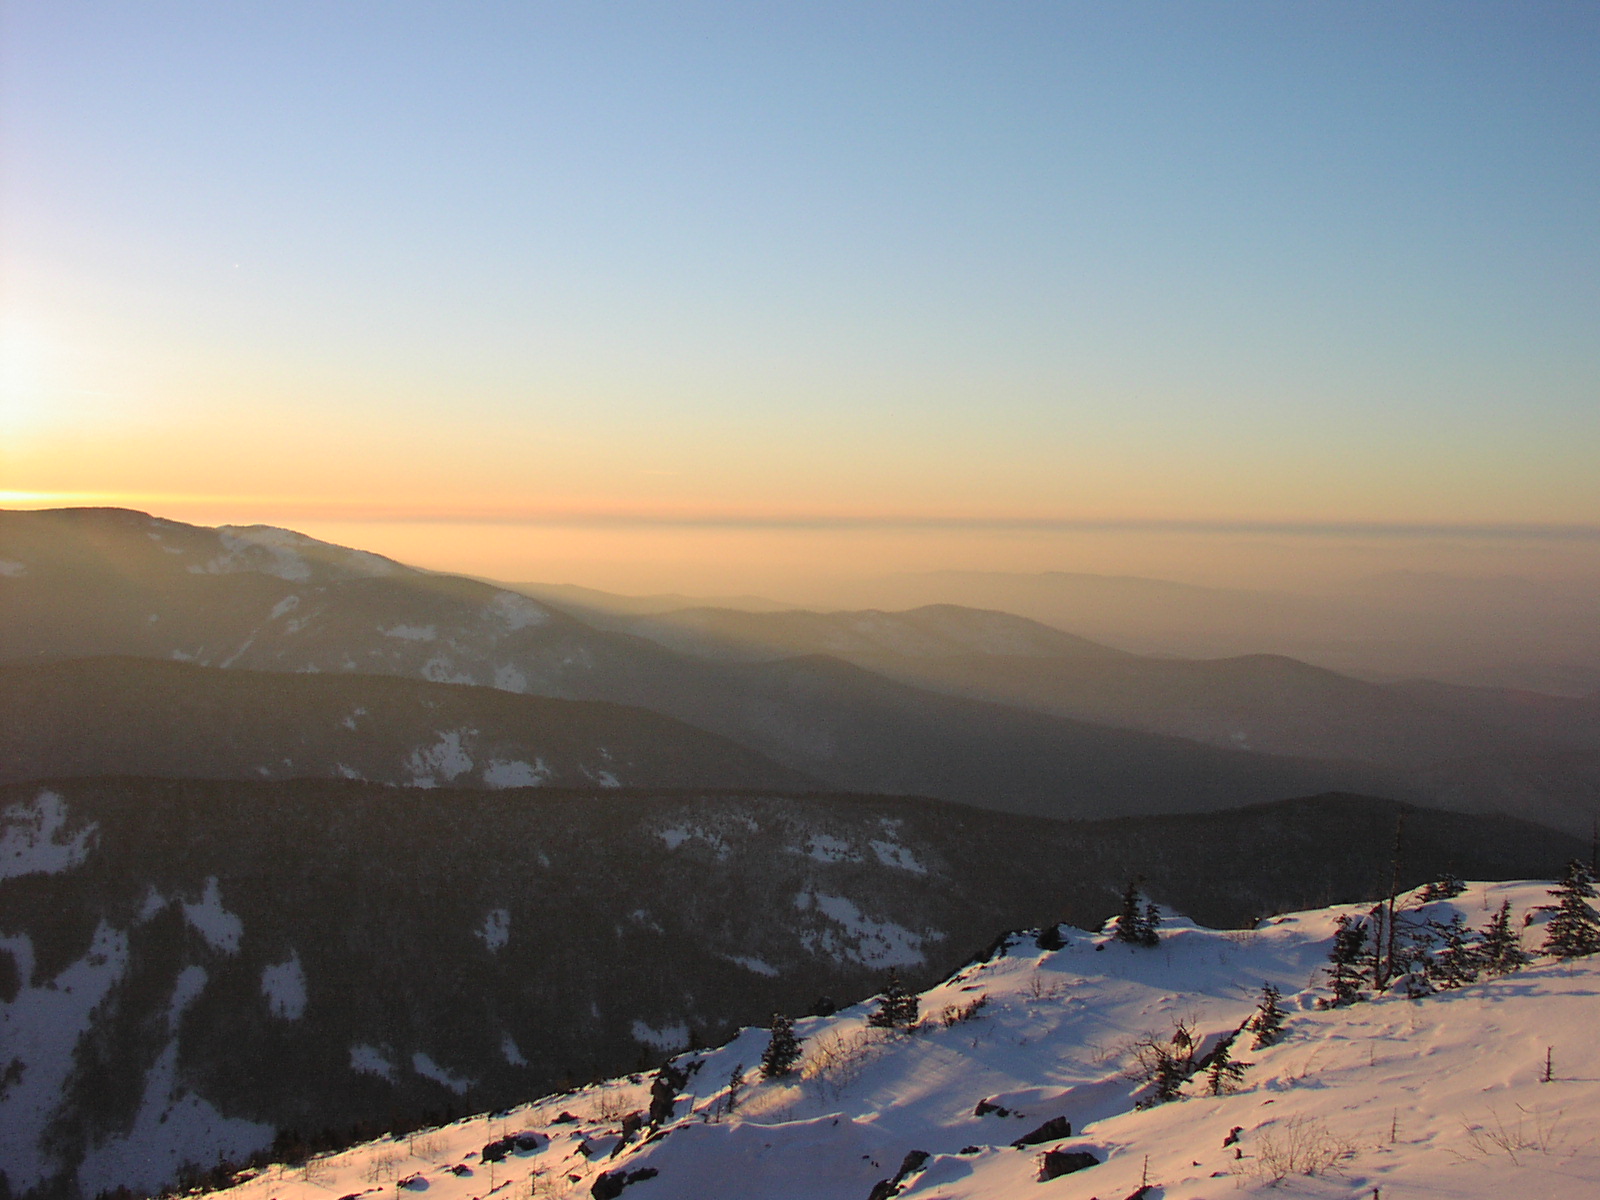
(1436, 1097)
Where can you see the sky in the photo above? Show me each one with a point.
(734, 296)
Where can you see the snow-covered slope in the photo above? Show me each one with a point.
(1442, 1096)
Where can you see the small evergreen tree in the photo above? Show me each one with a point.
(1458, 961)
(1346, 973)
(1268, 1021)
(735, 1082)
(783, 1049)
(1225, 1072)
(1152, 920)
(1127, 925)
(1446, 887)
(1574, 929)
(1050, 938)
(1170, 1076)
(1501, 952)
(1136, 925)
(897, 1008)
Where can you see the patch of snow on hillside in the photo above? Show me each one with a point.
(873, 943)
(503, 773)
(32, 844)
(154, 902)
(220, 928)
(508, 678)
(826, 848)
(284, 986)
(440, 670)
(517, 612)
(350, 718)
(260, 551)
(677, 835)
(891, 854)
(755, 965)
(173, 1127)
(12, 569)
(666, 1040)
(601, 776)
(496, 930)
(510, 1052)
(369, 1060)
(186, 990)
(411, 633)
(428, 1069)
(287, 605)
(445, 759)
(39, 1030)
(345, 771)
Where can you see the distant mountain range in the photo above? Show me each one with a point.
(188, 966)
(977, 707)
(1542, 634)
(96, 582)
(132, 716)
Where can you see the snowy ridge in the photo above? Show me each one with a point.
(1441, 1096)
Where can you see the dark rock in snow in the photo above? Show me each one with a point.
(1057, 1163)
(608, 1185)
(1052, 1130)
(911, 1164)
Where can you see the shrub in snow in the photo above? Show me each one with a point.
(1574, 928)
(783, 1049)
(1049, 938)
(953, 1014)
(1447, 887)
(1164, 1065)
(1302, 1145)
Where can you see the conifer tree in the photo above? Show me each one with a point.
(1136, 925)
(1152, 919)
(1345, 975)
(1128, 925)
(1501, 950)
(783, 1049)
(1170, 1077)
(1225, 1072)
(1268, 1021)
(897, 1008)
(1458, 961)
(735, 1082)
(1573, 930)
